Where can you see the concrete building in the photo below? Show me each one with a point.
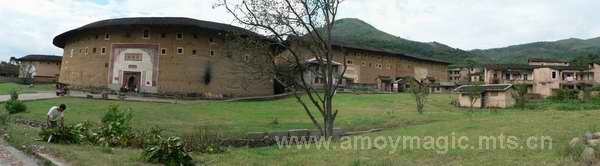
(485, 96)
(161, 55)
(41, 68)
(543, 75)
(465, 75)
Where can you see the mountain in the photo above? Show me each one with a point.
(568, 49)
(357, 32)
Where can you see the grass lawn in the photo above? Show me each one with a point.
(5, 88)
(356, 112)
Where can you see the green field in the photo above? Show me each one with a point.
(396, 113)
(6, 88)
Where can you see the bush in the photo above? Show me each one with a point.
(14, 95)
(68, 135)
(115, 129)
(15, 106)
(204, 140)
(143, 138)
(168, 151)
(564, 95)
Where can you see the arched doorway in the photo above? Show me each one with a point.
(131, 81)
(134, 67)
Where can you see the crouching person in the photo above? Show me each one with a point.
(55, 114)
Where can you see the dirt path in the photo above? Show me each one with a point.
(30, 96)
(10, 156)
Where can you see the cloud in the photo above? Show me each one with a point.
(470, 24)
(30, 25)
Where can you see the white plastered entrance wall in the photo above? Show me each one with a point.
(134, 58)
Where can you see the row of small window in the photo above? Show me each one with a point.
(379, 66)
(181, 51)
(85, 51)
(146, 35)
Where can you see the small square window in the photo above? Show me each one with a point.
(146, 34)
(179, 50)
(193, 52)
(246, 58)
(211, 40)
(195, 36)
(97, 37)
(163, 51)
(349, 62)
(94, 50)
(106, 36)
(179, 36)
(163, 35)
(212, 53)
(103, 50)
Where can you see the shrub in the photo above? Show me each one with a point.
(4, 120)
(169, 152)
(66, 135)
(143, 138)
(204, 140)
(15, 106)
(115, 129)
(564, 95)
(14, 95)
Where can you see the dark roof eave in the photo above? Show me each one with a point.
(42, 58)
(60, 40)
(389, 52)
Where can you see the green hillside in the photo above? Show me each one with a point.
(357, 32)
(567, 49)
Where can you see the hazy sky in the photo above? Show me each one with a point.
(30, 25)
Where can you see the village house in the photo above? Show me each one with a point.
(543, 75)
(8, 70)
(485, 96)
(40, 68)
(465, 75)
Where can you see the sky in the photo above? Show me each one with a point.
(30, 25)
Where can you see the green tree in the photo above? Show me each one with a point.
(420, 90)
(519, 93)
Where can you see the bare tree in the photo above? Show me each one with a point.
(420, 90)
(27, 72)
(303, 29)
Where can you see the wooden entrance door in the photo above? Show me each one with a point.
(131, 80)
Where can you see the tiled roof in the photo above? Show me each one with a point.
(60, 40)
(36, 57)
(579, 68)
(509, 66)
(483, 88)
(366, 48)
(547, 60)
